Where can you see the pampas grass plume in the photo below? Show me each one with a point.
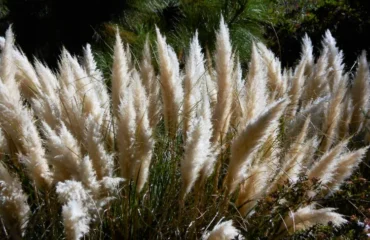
(256, 92)
(224, 68)
(223, 231)
(19, 125)
(249, 141)
(323, 168)
(308, 216)
(14, 209)
(171, 87)
(345, 167)
(144, 143)
(194, 71)
(151, 85)
(120, 73)
(360, 94)
(198, 151)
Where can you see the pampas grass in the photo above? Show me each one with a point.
(256, 99)
(224, 67)
(249, 141)
(14, 209)
(306, 217)
(151, 85)
(223, 230)
(18, 123)
(120, 73)
(359, 93)
(166, 150)
(171, 85)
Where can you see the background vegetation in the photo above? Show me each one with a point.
(44, 26)
(347, 20)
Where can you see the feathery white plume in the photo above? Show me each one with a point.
(194, 70)
(18, 123)
(198, 157)
(75, 212)
(256, 92)
(252, 189)
(151, 85)
(323, 169)
(308, 216)
(126, 128)
(360, 94)
(14, 209)
(120, 73)
(223, 231)
(345, 166)
(224, 68)
(144, 143)
(247, 143)
(171, 87)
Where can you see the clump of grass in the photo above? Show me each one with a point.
(204, 154)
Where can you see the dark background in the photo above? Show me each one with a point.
(42, 27)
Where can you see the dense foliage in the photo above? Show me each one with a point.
(347, 20)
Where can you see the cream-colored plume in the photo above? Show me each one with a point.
(204, 114)
(295, 89)
(71, 105)
(345, 120)
(120, 73)
(29, 84)
(144, 143)
(292, 163)
(224, 68)
(223, 231)
(307, 55)
(14, 209)
(317, 110)
(252, 189)
(335, 61)
(360, 94)
(239, 97)
(324, 168)
(98, 85)
(256, 92)
(346, 164)
(75, 211)
(316, 85)
(332, 118)
(46, 104)
(96, 77)
(18, 123)
(101, 159)
(272, 65)
(171, 86)
(198, 159)
(126, 128)
(64, 153)
(248, 142)
(7, 66)
(151, 84)
(308, 216)
(194, 73)
(85, 90)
